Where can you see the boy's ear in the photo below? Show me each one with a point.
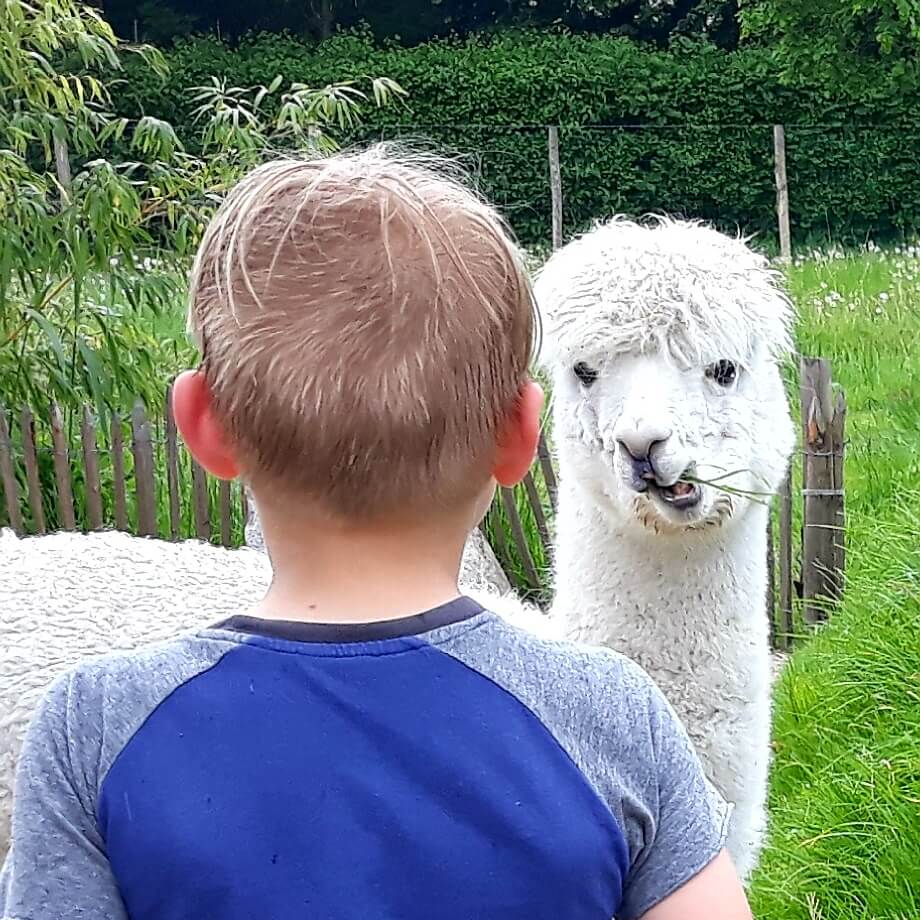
(200, 429)
(518, 445)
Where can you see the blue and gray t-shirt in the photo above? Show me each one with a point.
(442, 766)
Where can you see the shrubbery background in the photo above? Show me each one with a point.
(704, 148)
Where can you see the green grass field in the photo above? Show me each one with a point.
(845, 797)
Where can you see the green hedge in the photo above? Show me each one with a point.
(853, 179)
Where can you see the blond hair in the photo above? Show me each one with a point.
(366, 325)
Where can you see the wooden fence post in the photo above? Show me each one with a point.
(782, 191)
(91, 471)
(62, 470)
(520, 538)
(202, 503)
(118, 474)
(786, 584)
(771, 582)
(823, 419)
(549, 474)
(30, 459)
(172, 468)
(224, 495)
(539, 515)
(555, 184)
(144, 484)
(8, 476)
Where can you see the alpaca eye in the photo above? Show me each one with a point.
(724, 372)
(586, 375)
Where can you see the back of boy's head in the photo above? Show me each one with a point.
(366, 325)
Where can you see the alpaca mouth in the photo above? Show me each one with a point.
(681, 495)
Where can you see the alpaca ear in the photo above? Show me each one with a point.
(518, 445)
(200, 428)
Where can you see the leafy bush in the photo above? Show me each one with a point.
(87, 198)
(705, 148)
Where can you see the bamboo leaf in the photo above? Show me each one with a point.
(52, 337)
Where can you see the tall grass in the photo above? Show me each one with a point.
(845, 789)
(845, 793)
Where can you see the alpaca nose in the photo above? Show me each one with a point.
(638, 441)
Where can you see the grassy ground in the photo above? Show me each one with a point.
(845, 798)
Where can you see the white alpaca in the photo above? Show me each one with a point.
(68, 596)
(663, 342)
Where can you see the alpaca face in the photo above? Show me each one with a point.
(663, 340)
(672, 448)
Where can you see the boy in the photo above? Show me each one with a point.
(367, 743)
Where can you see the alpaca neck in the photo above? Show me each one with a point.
(620, 585)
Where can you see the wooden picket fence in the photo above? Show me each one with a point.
(138, 462)
(79, 471)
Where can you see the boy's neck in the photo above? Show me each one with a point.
(327, 573)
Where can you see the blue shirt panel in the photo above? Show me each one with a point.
(362, 780)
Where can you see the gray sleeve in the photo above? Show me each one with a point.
(56, 867)
(682, 820)
(617, 727)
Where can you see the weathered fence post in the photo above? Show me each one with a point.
(91, 470)
(520, 538)
(782, 191)
(225, 512)
(771, 583)
(62, 470)
(30, 459)
(201, 507)
(786, 585)
(549, 474)
(118, 473)
(8, 476)
(823, 419)
(555, 184)
(172, 468)
(144, 484)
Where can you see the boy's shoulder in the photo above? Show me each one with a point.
(617, 727)
(95, 706)
(159, 666)
(586, 695)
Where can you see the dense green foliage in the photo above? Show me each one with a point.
(705, 148)
(87, 198)
(846, 41)
(414, 21)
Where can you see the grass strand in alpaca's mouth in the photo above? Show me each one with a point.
(762, 498)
